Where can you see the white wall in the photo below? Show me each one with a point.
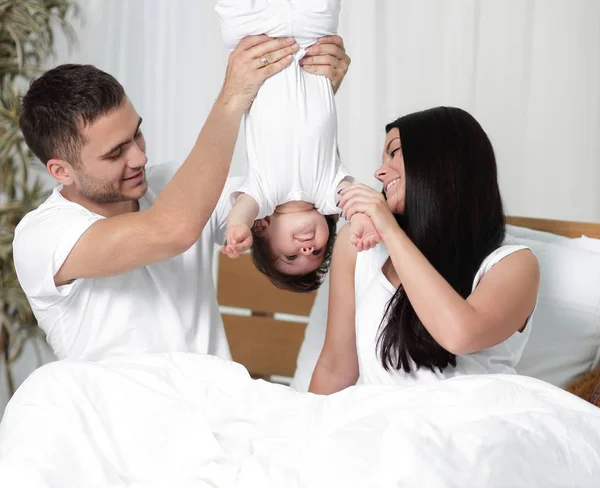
(528, 71)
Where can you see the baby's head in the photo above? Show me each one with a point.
(294, 249)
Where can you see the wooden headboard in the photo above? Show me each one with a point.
(265, 325)
(560, 227)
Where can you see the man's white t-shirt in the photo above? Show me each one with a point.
(168, 306)
(291, 128)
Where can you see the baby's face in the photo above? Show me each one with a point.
(298, 241)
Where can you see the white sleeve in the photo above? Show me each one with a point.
(219, 216)
(42, 243)
(305, 20)
(253, 188)
(327, 204)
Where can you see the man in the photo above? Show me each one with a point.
(109, 264)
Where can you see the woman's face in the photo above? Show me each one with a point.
(391, 172)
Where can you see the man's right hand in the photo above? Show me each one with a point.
(255, 59)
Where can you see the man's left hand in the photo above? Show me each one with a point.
(327, 58)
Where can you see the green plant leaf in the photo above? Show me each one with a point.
(27, 29)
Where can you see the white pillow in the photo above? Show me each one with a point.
(534, 235)
(565, 338)
(585, 242)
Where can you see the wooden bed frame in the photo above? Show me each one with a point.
(265, 325)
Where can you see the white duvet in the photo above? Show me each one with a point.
(184, 420)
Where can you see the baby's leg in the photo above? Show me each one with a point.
(306, 21)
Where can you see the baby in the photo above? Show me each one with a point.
(286, 209)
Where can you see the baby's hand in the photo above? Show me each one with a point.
(363, 234)
(239, 240)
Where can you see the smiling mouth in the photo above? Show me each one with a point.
(391, 184)
(133, 177)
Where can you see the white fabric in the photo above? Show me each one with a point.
(588, 243)
(373, 293)
(565, 342)
(186, 420)
(305, 20)
(517, 233)
(291, 128)
(163, 307)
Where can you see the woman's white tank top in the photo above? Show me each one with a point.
(372, 294)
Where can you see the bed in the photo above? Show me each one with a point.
(197, 421)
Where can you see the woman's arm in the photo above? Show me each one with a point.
(499, 306)
(337, 367)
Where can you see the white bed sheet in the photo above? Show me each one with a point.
(184, 420)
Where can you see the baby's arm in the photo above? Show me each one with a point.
(363, 234)
(239, 221)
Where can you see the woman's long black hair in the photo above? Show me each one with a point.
(453, 214)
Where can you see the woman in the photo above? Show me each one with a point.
(443, 294)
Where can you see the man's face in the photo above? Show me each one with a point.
(113, 158)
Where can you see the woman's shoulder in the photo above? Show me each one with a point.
(508, 248)
(518, 257)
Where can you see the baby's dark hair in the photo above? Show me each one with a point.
(265, 262)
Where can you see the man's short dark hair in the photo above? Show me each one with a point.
(60, 103)
(264, 260)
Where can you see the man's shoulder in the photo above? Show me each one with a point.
(55, 213)
(55, 204)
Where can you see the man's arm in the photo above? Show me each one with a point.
(174, 223)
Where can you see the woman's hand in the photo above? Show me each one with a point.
(328, 58)
(255, 59)
(364, 199)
